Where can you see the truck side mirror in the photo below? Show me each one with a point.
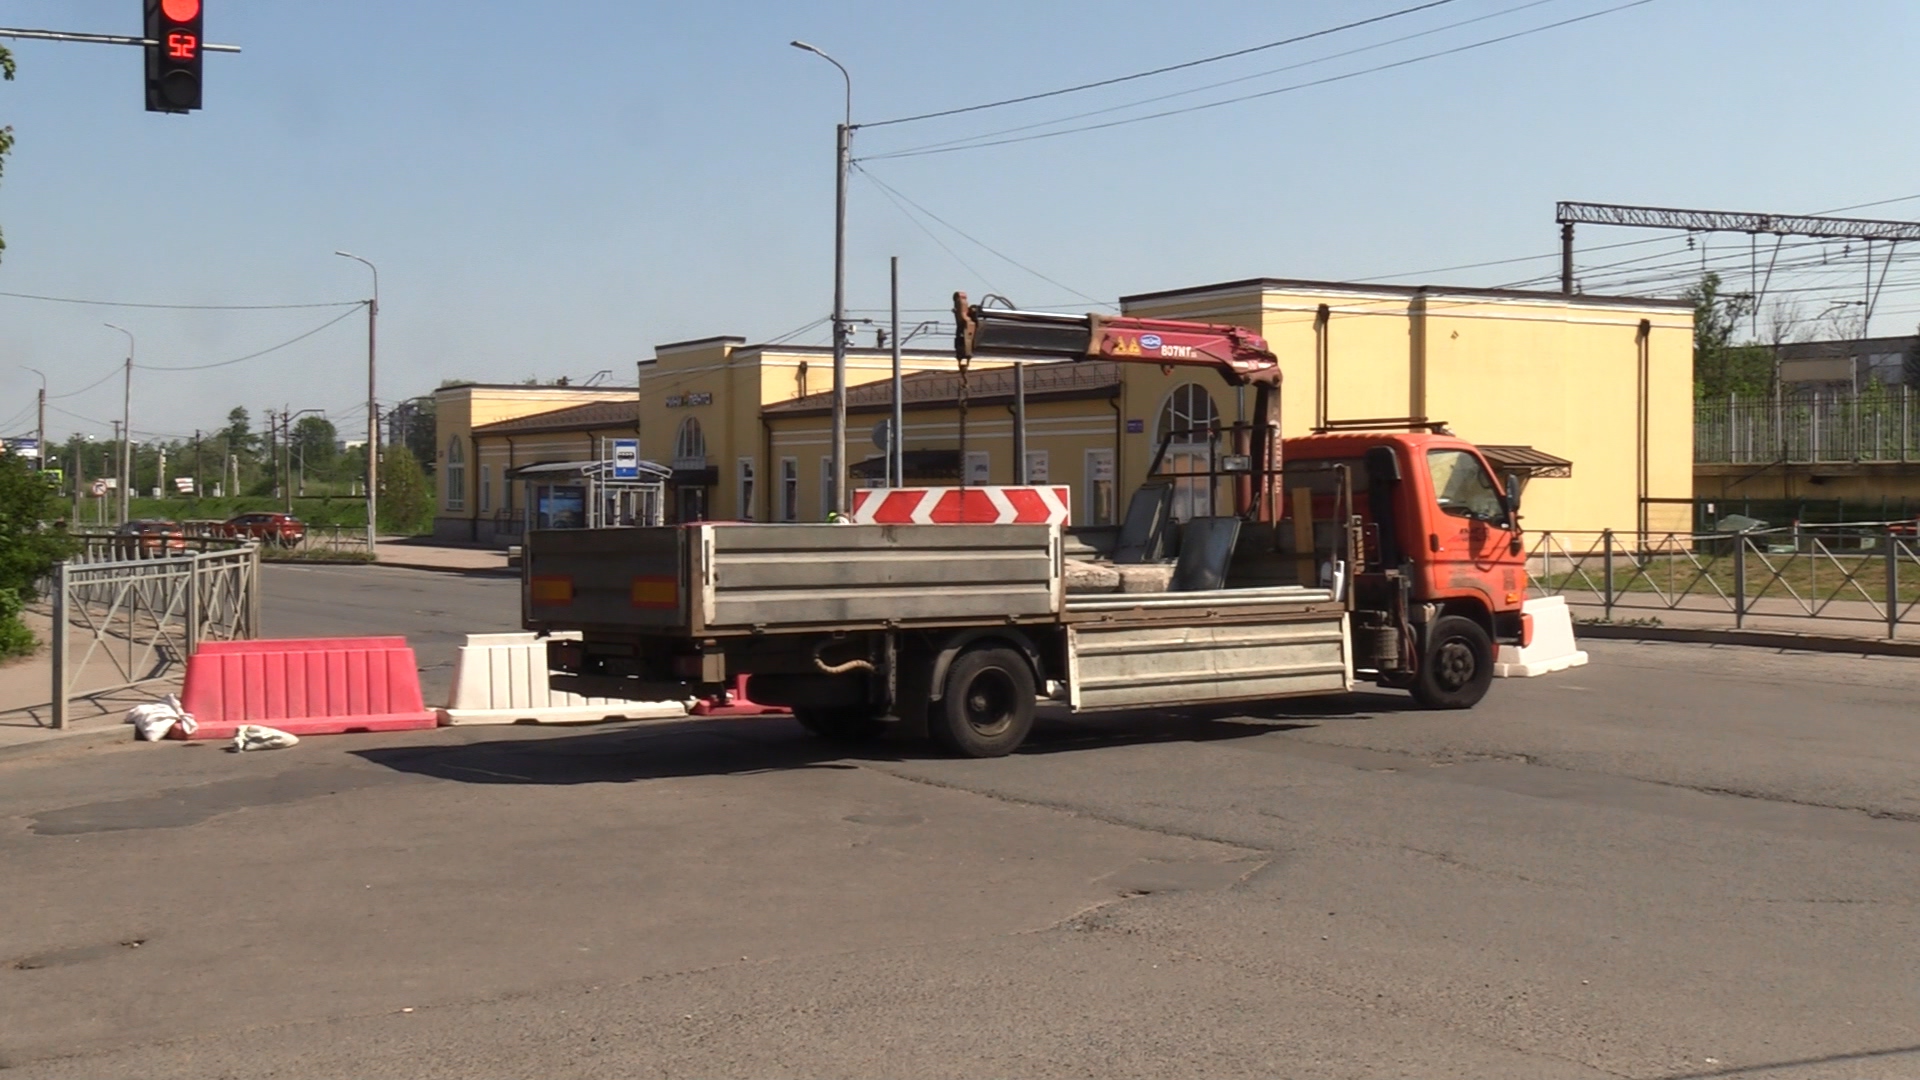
(1513, 496)
(1383, 466)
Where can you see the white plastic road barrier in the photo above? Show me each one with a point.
(502, 679)
(1553, 647)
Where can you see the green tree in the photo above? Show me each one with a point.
(6, 132)
(406, 502)
(239, 432)
(29, 546)
(1723, 365)
(313, 443)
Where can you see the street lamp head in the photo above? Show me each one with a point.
(346, 254)
(804, 46)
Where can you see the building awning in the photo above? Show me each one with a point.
(1528, 462)
(920, 465)
(573, 470)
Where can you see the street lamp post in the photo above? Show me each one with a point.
(126, 428)
(843, 157)
(373, 408)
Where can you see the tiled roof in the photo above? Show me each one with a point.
(934, 389)
(594, 414)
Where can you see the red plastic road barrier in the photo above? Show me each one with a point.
(734, 702)
(1036, 504)
(307, 686)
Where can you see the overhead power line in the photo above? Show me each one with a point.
(1454, 51)
(1203, 88)
(179, 307)
(1160, 70)
(981, 244)
(249, 356)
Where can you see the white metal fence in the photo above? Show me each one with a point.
(139, 619)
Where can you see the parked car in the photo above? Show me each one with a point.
(154, 535)
(268, 528)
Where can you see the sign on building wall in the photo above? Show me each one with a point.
(1036, 466)
(698, 397)
(979, 469)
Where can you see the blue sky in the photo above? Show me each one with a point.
(554, 188)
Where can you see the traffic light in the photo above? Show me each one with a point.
(173, 65)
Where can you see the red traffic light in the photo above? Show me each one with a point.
(180, 10)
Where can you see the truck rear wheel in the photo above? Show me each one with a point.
(986, 709)
(1456, 667)
(840, 725)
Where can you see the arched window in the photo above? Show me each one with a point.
(1188, 425)
(456, 474)
(690, 445)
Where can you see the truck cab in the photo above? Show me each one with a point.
(1432, 539)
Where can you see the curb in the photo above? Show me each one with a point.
(86, 738)
(469, 571)
(1762, 639)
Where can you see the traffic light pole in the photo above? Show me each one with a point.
(99, 39)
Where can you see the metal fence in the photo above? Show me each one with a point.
(1866, 573)
(140, 618)
(1876, 424)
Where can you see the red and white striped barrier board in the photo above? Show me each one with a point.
(1007, 505)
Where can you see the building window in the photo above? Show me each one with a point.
(789, 489)
(456, 474)
(1100, 508)
(827, 505)
(486, 488)
(746, 489)
(690, 446)
(1188, 425)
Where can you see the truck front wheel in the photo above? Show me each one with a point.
(986, 708)
(1456, 667)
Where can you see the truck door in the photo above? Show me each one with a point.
(1468, 530)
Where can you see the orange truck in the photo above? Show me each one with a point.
(1379, 552)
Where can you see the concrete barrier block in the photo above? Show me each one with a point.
(1553, 647)
(502, 679)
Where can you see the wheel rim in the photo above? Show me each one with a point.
(1454, 664)
(989, 702)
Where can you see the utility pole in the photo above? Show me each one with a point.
(126, 424)
(40, 430)
(373, 406)
(197, 493)
(120, 485)
(160, 472)
(843, 159)
(897, 438)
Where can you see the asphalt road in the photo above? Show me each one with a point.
(1677, 862)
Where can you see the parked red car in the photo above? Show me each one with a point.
(154, 535)
(268, 528)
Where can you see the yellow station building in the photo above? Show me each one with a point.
(1588, 397)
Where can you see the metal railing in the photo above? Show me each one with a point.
(1862, 573)
(141, 618)
(1876, 424)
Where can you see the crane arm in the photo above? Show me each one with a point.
(1240, 356)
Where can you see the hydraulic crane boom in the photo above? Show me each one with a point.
(1239, 356)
